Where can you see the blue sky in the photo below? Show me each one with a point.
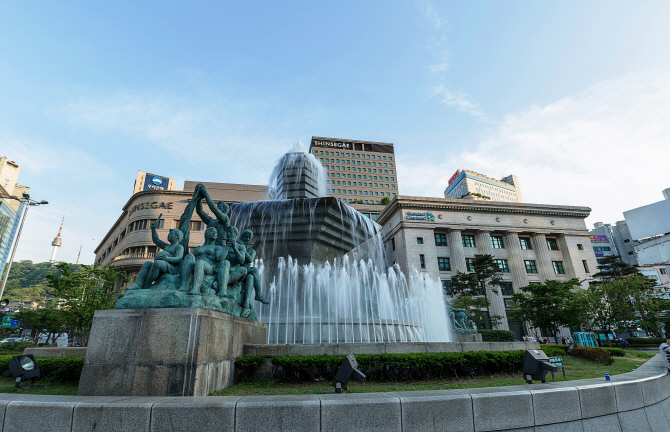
(569, 96)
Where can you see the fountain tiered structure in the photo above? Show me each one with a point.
(323, 265)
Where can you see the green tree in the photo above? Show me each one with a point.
(385, 201)
(26, 281)
(471, 290)
(83, 292)
(620, 303)
(51, 322)
(612, 268)
(549, 305)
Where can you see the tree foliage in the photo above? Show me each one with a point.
(549, 305)
(50, 321)
(470, 290)
(84, 291)
(26, 281)
(612, 268)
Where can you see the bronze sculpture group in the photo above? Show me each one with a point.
(218, 275)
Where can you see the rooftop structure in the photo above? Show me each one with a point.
(466, 184)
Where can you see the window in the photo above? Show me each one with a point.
(580, 247)
(506, 288)
(531, 267)
(664, 271)
(468, 240)
(484, 322)
(552, 244)
(558, 267)
(509, 304)
(419, 240)
(446, 287)
(629, 253)
(502, 265)
(497, 242)
(525, 243)
(422, 261)
(197, 226)
(443, 264)
(393, 244)
(440, 239)
(626, 241)
(586, 266)
(161, 223)
(469, 264)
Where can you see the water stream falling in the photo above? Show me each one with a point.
(323, 267)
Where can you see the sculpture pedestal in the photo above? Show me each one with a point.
(467, 337)
(164, 352)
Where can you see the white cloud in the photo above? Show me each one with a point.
(459, 99)
(605, 147)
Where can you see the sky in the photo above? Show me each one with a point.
(570, 96)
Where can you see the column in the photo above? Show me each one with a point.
(497, 304)
(515, 261)
(457, 254)
(544, 266)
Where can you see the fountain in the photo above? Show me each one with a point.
(323, 263)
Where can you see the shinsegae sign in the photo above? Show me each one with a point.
(333, 144)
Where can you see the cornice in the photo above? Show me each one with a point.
(443, 204)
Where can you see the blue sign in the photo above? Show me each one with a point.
(154, 182)
(427, 216)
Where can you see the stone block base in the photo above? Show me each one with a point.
(164, 352)
(467, 337)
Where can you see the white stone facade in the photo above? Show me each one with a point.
(542, 228)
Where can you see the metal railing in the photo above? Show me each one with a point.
(134, 256)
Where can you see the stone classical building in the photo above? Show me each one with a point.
(531, 242)
(468, 184)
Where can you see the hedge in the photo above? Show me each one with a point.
(246, 366)
(615, 352)
(15, 346)
(400, 367)
(61, 369)
(645, 342)
(497, 335)
(598, 355)
(554, 350)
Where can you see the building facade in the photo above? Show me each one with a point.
(649, 229)
(466, 184)
(659, 273)
(11, 210)
(531, 242)
(128, 243)
(363, 171)
(608, 240)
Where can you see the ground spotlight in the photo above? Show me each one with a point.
(535, 366)
(23, 368)
(348, 370)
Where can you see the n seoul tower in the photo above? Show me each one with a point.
(57, 242)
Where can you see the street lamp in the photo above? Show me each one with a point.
(25, 199)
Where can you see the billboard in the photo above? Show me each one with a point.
(598, 238)
(453, 177)
(155, 182)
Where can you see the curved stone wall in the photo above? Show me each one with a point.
(635, 401)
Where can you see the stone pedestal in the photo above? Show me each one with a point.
(164, 352)
(467, 337)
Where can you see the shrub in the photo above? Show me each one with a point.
(400, 367)
(497, 335)
(598, 355)
(61, 369)
(246, 366)
(645, 342)
(15, 346)
(616, 352)
(553, 350)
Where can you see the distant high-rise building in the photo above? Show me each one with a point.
(11, 210)
(466, 184)
(650, 230)
(608, 240)
(357, 170)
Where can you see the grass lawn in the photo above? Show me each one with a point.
(7, 386)
(575, 368)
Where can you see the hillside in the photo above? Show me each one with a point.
(27, 281)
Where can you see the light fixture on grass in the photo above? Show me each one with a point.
(348, 370)
(23, 368)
